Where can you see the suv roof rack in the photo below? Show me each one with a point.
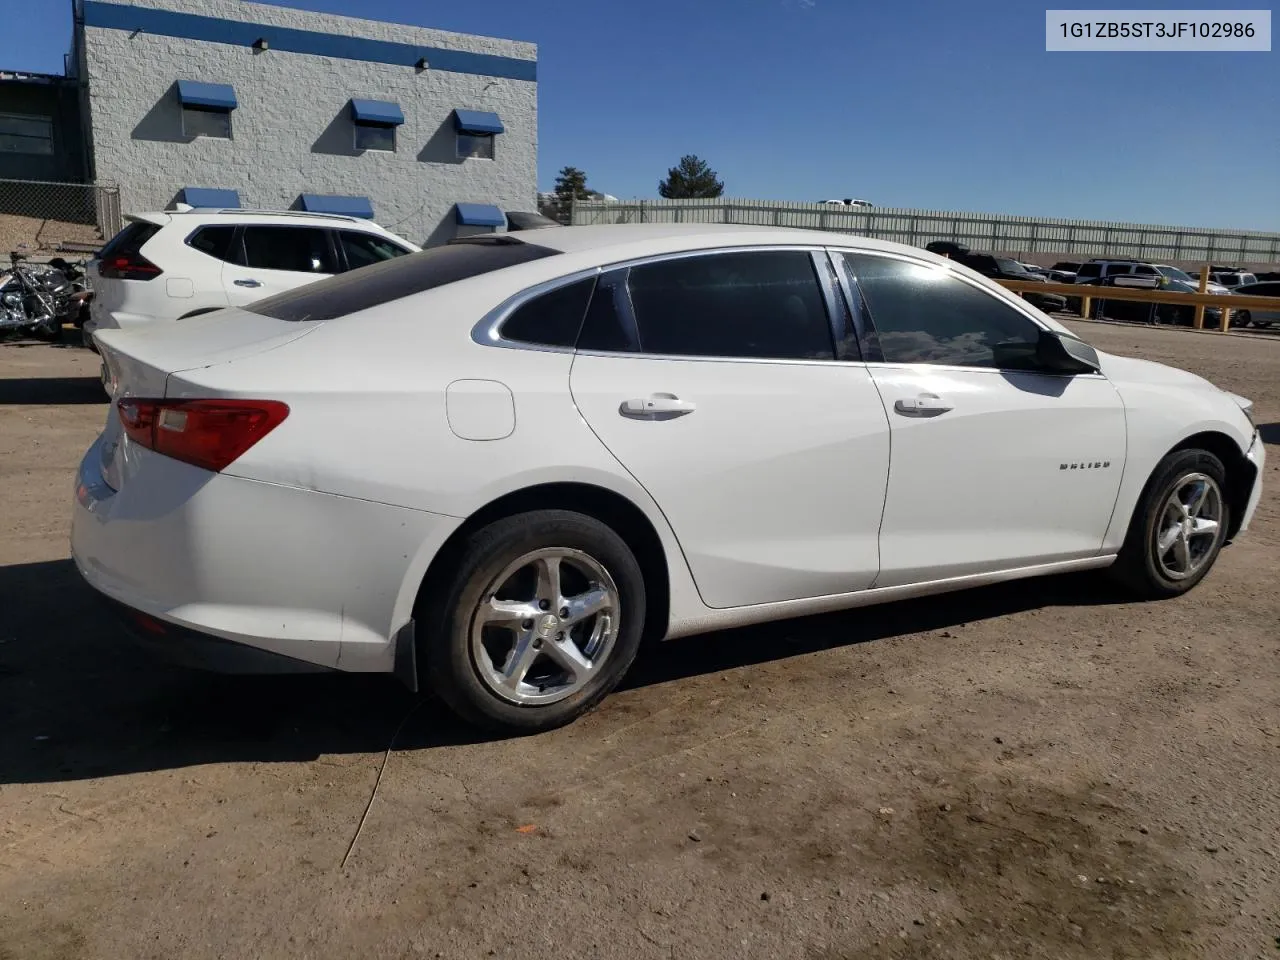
(244, 211)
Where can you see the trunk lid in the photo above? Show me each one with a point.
(139, 363)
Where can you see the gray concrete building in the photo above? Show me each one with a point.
(228, 102)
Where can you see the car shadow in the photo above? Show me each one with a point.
(51, 390)
(78, 701)
(1270, 432)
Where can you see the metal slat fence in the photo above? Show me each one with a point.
(986, 232)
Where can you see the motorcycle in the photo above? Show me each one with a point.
(38, 298)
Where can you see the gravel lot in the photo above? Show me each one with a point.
(1033, 770)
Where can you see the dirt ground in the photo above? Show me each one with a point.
(1033, 770)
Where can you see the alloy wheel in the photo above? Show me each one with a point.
(1189, 527)
(544, 626)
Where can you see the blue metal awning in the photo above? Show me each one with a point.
(343, 206)
(210, 197)
(479, 215)
(477, 121)
(211, 96)
(382, 112)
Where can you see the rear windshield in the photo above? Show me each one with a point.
(395, 279)
(129, 240)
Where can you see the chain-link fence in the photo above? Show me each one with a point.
(44, 219)
(1032, 238)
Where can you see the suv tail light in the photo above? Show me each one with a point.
(127, 266)
(206, 433)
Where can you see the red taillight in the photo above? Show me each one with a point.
(207, 433)
(128, 266)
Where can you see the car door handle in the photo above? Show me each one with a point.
(925, 405)
(250, 282)
(659, 406)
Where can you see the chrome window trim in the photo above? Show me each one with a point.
(488, 331)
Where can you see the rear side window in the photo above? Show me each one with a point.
(1117, 268)
(395, 279)
(296, 249)
(365, 249)
(215, 241)
(761, 304)
(130, 239)
(1089, 270)
(552, 319)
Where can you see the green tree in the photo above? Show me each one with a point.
(571, 185)
(690, 178)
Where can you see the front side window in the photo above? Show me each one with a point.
(763, 304)
(924, 314)
(1116, 268)
(1143, 270)
(25, 133)
(364, 249)
(296, 249)
(197, 122)
(479, 145)
(375, 136)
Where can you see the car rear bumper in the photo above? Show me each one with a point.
(321, 579)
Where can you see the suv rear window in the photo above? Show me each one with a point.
(390, 280)
(130, 239)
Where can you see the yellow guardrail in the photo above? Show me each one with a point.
(1226, 301)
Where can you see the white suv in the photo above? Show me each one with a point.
(179, 263)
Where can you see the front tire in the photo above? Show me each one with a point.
(541, 619)
(1178, 527)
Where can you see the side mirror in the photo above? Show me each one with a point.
(1063, 353)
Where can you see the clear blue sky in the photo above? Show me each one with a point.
(913, 103)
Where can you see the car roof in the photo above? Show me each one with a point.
(618, 241)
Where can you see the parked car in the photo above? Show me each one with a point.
(1098, 271)
(1258, 318)
(850, 202)
(1004, 268)
(1064, 271)
(1033, 268)
(495, 466)
(177, 264)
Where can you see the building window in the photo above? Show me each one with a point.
(22, 133)
(206, 108)
(475, 145)
(373, 136)
(375, 123)
(206, 123)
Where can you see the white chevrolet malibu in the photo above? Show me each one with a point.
(495, 466)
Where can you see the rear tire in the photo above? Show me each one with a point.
(1178, 527)
(540, 620)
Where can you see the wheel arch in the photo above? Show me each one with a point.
(609, 507)
(1241, 473)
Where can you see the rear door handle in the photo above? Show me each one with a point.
(925, 405)
(250, 282)
(659, 406)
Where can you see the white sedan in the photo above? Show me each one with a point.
(495, 466)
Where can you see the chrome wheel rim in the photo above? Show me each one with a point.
(1190, 526)
(545, 626)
